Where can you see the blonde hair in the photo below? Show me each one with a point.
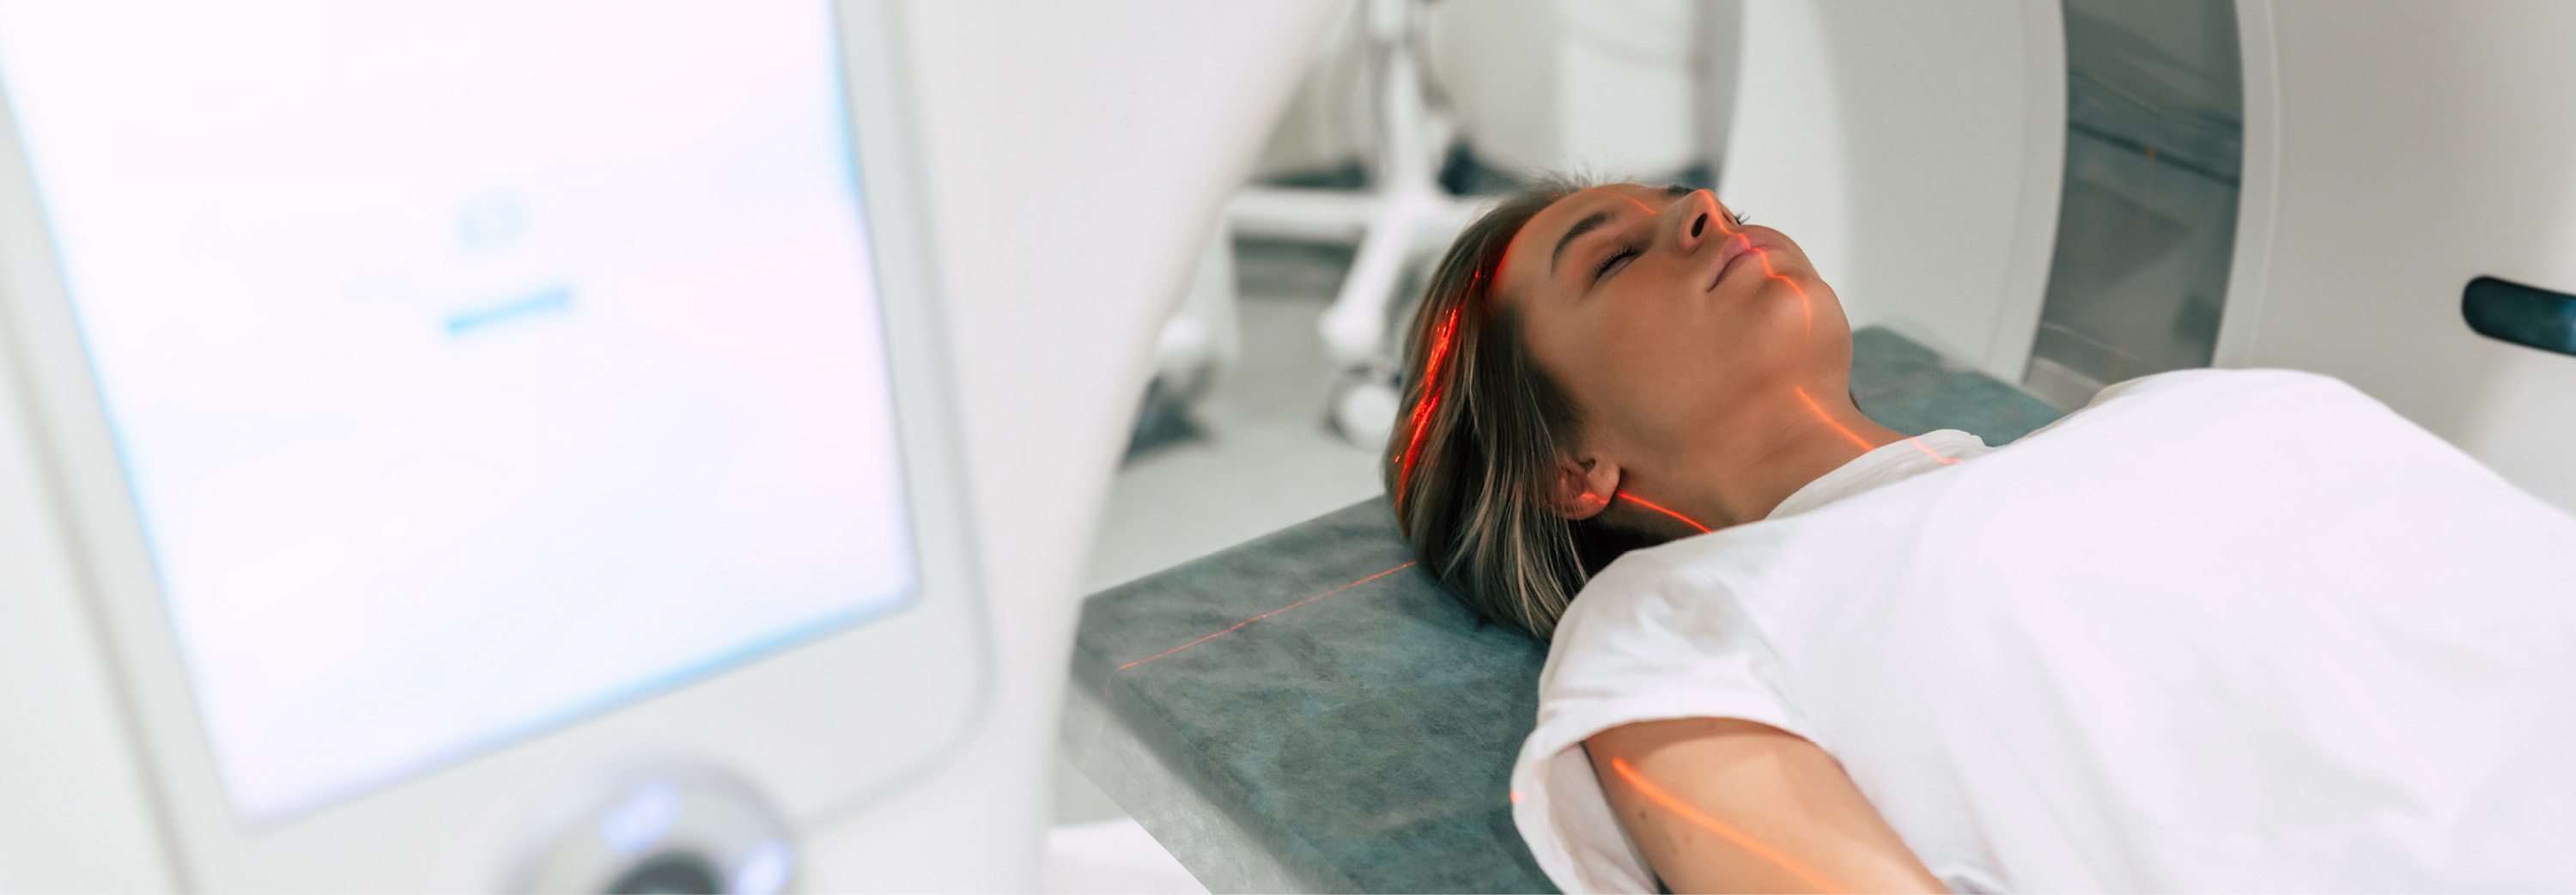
(1474, 457)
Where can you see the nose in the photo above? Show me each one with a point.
(1696, 221)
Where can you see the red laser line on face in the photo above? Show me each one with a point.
(1765, 258)
(1268, 614)
(1632, 200)
(1723, 831)
(1804, 303)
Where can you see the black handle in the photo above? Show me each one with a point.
(2523, 315)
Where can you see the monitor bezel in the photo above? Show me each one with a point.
(797, 724)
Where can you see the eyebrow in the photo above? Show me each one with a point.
(1588, 224)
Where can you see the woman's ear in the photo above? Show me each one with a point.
(1585, 486)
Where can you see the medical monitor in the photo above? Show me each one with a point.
(467, 408)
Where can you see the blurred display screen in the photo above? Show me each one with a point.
(475, 366)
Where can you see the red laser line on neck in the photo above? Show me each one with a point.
(1830, 421)
(1269, 614)
(1711, 824)
(1651, 505)
(1631, 498)
(1855, 437)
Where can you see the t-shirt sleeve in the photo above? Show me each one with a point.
(1648, 639)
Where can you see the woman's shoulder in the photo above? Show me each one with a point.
(1701, 588)
(1649, 618)
(1643, 591)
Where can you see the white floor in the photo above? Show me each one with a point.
(1264, 461)
(1111, 856)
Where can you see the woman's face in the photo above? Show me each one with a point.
(1661, 318)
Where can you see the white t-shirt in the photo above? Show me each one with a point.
(2221, 630)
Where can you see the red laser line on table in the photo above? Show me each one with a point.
(1103, 726)
(1711, 824)
(1269, 614)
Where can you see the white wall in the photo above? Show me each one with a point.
(1076, 156)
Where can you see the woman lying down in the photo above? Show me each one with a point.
(2218, 631)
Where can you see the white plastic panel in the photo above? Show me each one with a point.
(75, 813)
(1914, 151)
(450, 422)
(1073, 158)
(822, 729)
(2414, 147)
(1076, 155)
(2147, 222)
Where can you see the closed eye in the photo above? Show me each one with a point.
(1607, 264)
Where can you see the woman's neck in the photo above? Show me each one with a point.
(1743, 469)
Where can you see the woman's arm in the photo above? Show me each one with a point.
(1721, 805)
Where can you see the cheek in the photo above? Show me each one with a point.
(1667, 363)
(1656, 360)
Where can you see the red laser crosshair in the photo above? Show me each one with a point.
(1269, 614)
(1104, 685)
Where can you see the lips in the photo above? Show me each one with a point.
(1737, 247)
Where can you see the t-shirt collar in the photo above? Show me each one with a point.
(1887, 465)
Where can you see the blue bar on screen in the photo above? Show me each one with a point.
(545, 301)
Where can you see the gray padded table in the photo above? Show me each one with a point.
(1308, 712)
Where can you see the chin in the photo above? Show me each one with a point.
(1787, 307)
